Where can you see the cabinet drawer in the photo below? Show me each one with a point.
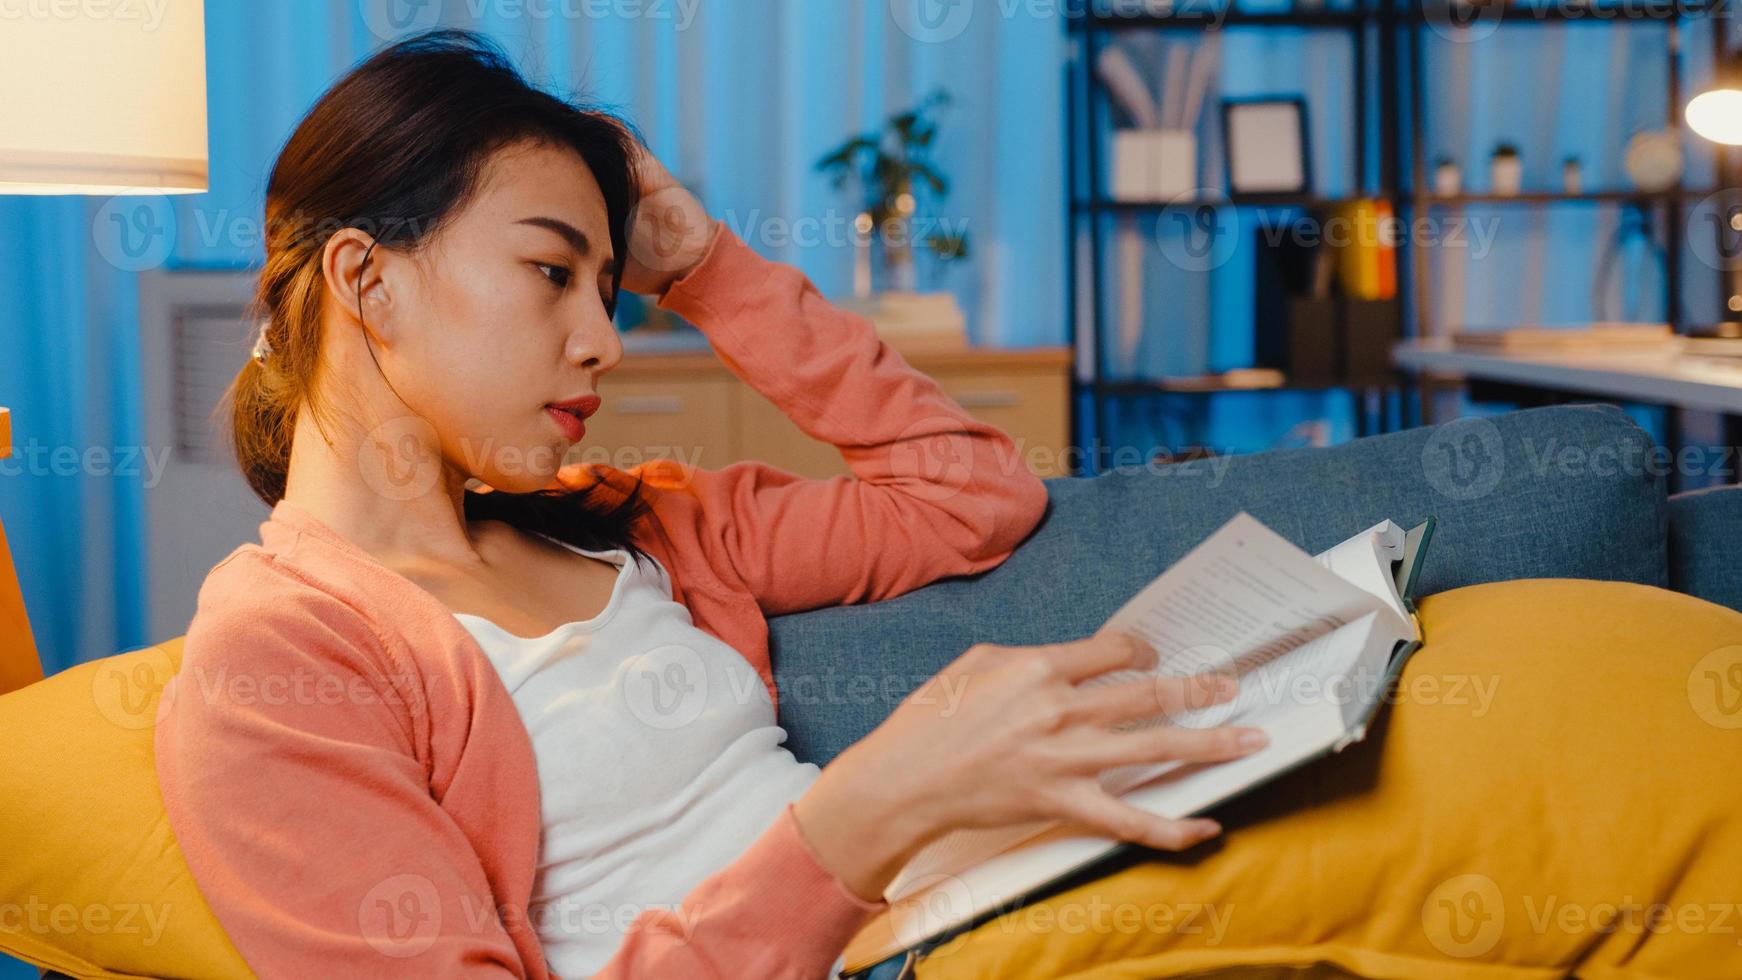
(686, 419)
(1031, 407)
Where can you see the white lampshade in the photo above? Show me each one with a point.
(103, 98)
(1716, 114)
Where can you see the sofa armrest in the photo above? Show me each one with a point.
(1705, 544)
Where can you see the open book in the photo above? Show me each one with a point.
(1315, 643)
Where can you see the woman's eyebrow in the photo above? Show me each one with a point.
(576, 238)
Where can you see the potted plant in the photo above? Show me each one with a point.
(897, 182)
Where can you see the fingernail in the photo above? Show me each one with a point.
(1253, 738)
(1227, 686)
(1208, 828)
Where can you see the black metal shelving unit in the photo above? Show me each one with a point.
(1369, 23)
(1387, 37)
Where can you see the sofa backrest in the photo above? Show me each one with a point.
(1562, 492)
(1705, 544)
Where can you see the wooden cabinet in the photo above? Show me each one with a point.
(688, 406)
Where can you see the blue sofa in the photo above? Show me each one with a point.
(1561, 492)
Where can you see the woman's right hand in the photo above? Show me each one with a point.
(1007, 735)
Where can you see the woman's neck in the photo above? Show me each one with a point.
(385, 489)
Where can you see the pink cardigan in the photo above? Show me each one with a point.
(354, 789)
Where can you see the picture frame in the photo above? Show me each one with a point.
(1266, 147)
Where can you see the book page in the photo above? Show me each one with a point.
(1242, 599)
(1366, 561)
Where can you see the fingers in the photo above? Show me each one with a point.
(1170, 743)
(1107, 815)
(1151, 696)
(1098, 654)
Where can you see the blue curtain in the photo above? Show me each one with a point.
(738, 97)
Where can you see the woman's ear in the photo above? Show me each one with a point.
(355, 288)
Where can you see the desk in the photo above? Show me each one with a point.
(1669, 379)
(1706, 384)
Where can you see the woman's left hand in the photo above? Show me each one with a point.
(669, 230)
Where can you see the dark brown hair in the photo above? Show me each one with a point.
(394, 148)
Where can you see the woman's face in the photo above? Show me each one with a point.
(503, 313)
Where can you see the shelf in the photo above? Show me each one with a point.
(1208, 386)
(1197, 18)
(1550, 197)
(1562, 13)
(1237, 200)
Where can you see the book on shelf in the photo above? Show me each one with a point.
(1315, 643)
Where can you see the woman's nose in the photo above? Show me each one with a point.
(597, 345)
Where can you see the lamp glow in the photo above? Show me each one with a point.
(1716, 114)
(103, 99)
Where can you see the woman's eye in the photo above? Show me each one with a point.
(557, 274)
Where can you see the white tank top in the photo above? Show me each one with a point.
(659, 760)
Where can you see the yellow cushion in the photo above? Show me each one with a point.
(1554, 790)
(93, 883)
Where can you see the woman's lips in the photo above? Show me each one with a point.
(573, 428)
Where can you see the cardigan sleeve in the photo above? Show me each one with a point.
(774, 912)
(288, 764)
(933, 492)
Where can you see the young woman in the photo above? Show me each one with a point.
(433, 729)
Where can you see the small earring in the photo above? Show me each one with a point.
(262, 349)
